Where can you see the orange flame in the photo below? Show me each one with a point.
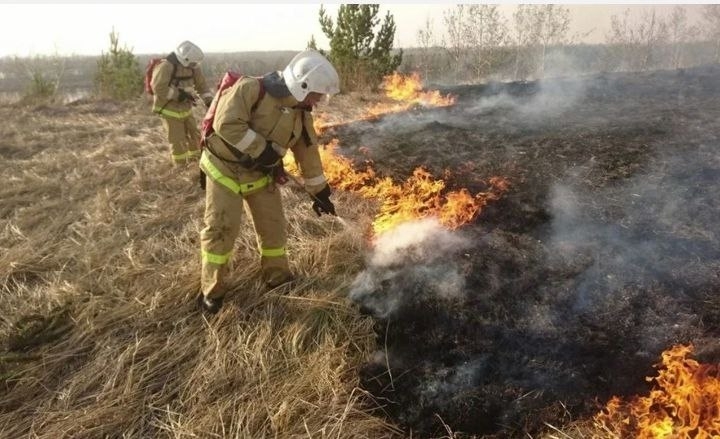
(320, 123)
(408, 91)
(420, 196)
(686, 403)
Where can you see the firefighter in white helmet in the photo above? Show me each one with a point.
(256, 121)
(176, 82)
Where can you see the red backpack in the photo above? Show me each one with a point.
(227, 81)
(149, 72)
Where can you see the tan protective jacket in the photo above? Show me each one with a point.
(166, 88)
(248, 130)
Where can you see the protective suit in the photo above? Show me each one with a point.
(176, 82)
(252, 131)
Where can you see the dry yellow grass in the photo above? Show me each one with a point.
(99, 266)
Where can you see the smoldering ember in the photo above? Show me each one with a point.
(602, 254)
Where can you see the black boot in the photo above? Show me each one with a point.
(209, 304)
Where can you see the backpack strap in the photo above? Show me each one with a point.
(172, 59)
(260, 95)
(173, 74)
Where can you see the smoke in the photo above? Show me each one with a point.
(561, 63)
(423, 241)
(540, 100)
(502, 101)
(447, 383)
(534, 103)
(567, 289)
(76, 95)
(372, 134)
(555, 97)
(409, 262)
(649, 265)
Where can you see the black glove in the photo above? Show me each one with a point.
(268, 159)
(185, 96)
(322, 203)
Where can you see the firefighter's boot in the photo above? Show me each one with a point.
(208, 304)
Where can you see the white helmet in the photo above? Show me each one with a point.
(188, 53)
(309, 72)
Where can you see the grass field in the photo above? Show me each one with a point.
(99, 268)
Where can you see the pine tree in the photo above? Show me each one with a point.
(361, 56)
(118, 73)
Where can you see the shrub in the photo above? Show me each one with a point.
(118, 74)
(43, 74)
(40, 87)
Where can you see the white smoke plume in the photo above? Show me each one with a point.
(538, 102)
(542, 99)
(660, 239)
(414, 258)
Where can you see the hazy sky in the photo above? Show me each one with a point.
(29, 29)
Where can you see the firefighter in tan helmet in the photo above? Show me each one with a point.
(176, 83)
(256, 121)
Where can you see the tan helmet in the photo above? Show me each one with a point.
(309, 72)
(188, 53)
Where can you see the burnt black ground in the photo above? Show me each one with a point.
(603, 253)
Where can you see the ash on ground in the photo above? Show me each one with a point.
(603, 254)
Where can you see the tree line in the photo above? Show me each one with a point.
(479, 44)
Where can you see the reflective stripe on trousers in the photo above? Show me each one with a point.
(179, 158)
(237, 188)
(173, 114)
(212, 258)
(272, 252)
(223, 218)
(216, 259)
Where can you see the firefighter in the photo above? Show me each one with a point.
(176, 83)
(256, 121)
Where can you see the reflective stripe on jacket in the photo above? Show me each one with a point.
(244, 188)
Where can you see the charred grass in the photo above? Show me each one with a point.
(602, 254)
